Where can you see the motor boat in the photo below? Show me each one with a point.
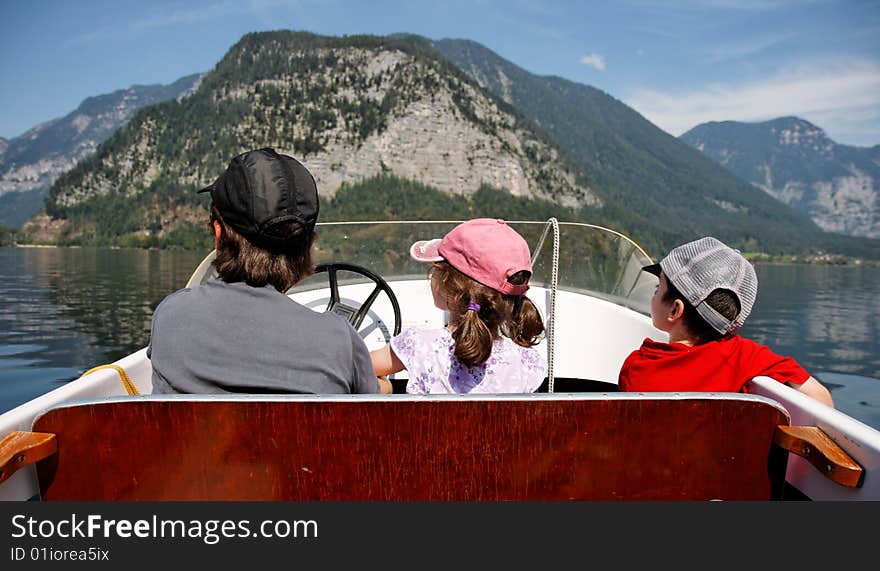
(104, 437)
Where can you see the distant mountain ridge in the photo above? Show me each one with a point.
(791, 159)
(30, 163)
(350, 108)
(658, 189)
(449, 114)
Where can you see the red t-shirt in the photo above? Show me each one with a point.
(724, 365)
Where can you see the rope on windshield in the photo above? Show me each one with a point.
(554, 286)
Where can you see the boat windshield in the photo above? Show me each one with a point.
(591, 260)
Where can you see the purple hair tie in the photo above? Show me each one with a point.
(473, 306)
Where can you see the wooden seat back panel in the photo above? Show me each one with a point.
(316, 450)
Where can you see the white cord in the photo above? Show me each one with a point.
(554, 285)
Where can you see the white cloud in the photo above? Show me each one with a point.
(222, 9)
(747, 48)
(187, 16)
(160, 19)
(594, 60)
(218, 10)
(737, 5)
(836, 96)
(751, 5)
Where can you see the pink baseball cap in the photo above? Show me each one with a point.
(484, 249)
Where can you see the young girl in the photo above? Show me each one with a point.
(479, 274)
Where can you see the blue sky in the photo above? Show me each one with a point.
(678, 63)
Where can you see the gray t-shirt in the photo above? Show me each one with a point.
(233, 338)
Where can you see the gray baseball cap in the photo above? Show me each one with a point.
(698, 268)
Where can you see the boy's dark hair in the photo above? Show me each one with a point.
(723, 301)
(514, 316)
(239, 260)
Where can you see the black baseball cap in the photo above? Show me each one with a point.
(262, 188)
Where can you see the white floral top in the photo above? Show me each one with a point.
(429, 357)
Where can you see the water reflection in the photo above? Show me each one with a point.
(826, 317)
(65, 310)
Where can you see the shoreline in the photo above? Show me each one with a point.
(823, 260)
(753, 257)
(37, 246)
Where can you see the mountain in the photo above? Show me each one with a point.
(30, 163)
(838, 186)
(657, 188)
(350, 108)
(447, 117)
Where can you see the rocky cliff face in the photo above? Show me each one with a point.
(349, 109)
(795, 162)
(30, 163)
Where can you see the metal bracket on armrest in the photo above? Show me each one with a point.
(22, 448)
(818, 449)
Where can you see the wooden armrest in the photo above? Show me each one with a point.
(812, 443)
(23, 448)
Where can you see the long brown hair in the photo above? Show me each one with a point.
(474, 332)
(239, 260)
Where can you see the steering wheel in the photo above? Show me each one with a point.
(355, 315)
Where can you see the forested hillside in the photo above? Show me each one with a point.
(655, 186)
(349, 108)
(391, 118)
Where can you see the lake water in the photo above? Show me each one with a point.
(65, 310)
(828, 318)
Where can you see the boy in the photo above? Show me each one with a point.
(705, 294)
